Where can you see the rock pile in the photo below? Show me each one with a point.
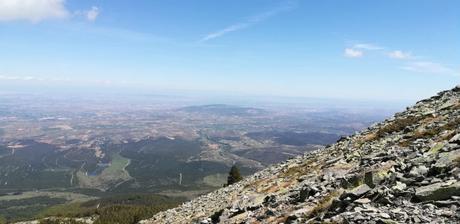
(403, 170)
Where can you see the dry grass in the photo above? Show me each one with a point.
(279, 186)
(367, 138)
(294, 171)
(259, 185)
(453, 124)
(324, 204)
(370, 137)
(433, 132)
(398, 125)
(308, 166)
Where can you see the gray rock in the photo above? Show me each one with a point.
(448, 159)
(419, 171)
(437, 191)
(363, 201)
(355, 193)
(455, 139)
(360, 190)
(399, 186)
(384, 215)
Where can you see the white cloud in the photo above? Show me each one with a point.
(250, 22)
(32, 10)
(369, 47)
(412, 63)
(92, 14)
(399, 55)
(353, 53)
(429, 67)
(358, 50)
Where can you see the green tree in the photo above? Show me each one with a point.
(234, 175)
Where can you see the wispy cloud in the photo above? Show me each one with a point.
(412, 62)
(228, 29)
(353, 53)
(366, 46)
(248, 23)
(358, 50)
(430, 67)
(399, 55)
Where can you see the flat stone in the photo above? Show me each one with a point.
(456, 138)
(361, 190)
(358, 209)
(355, 193)
(446, 203)
(437, 191)
(384, 215)
(363, 201)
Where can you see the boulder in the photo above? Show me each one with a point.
(447, 160)
(437, 191)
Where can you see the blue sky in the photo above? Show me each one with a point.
(385, 50)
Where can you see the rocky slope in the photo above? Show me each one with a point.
(403, 170)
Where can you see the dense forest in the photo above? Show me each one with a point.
(123, 209)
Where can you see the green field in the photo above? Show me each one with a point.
(68, 196)
(216, 180)
(30, 204)
(110, 176)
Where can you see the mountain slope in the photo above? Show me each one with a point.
(405, 169)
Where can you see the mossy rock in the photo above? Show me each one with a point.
(436, 148)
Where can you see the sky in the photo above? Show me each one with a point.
(360, 49)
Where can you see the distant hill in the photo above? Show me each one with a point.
(295, 138)
(403, 170)
(224, 110)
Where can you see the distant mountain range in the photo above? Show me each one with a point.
(224, 110)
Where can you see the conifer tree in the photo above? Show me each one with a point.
(234, 175)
